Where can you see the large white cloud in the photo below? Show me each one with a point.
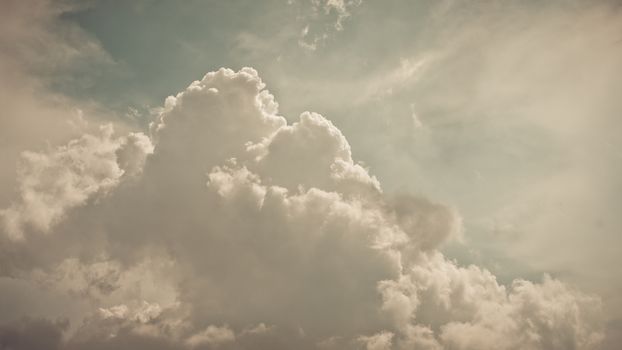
(267, 235)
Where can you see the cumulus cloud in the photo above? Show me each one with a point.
(212, 335)
(272, 236)
(380, 341)
(322, 18)
(471, 310)
(39, 50)
(54, 182)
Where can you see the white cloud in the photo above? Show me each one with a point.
(261, 328)
(265, 223)
(379, 341)
(40, 50)
(474, 312)
(52, 183)
(212, 335)
(321, 18)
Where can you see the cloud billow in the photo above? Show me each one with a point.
(228, 228)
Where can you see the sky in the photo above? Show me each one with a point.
(310, 174)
